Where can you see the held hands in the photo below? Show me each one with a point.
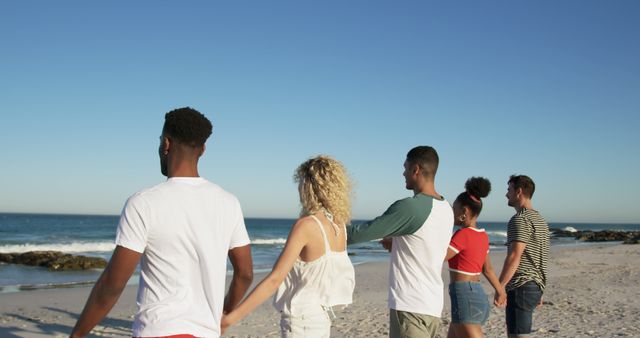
(500, 298)
(386, 243)
(224, 323)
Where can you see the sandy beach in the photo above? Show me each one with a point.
(593, 292)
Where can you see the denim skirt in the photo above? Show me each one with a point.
(469, 303)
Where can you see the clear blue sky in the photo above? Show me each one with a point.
(550, 89)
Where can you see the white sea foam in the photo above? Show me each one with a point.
(497, 233)
(74, 247)
(269, 241)
(570, 229)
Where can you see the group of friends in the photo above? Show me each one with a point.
(182, 232)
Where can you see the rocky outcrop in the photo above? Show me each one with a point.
(602, 236)
(627, 237)
(562, 233)
(54, 260)
(632, 240)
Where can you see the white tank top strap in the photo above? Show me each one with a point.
(327, 247)
(344, 227)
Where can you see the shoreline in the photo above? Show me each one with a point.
(93, 237)
(19, 288)
(592, 291)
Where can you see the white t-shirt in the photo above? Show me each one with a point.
(415, 273)
(184, 229)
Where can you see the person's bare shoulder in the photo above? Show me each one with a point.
(302, 231)
(304, 224)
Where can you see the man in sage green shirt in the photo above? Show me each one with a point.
(419, 228)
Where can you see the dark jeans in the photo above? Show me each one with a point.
(521, 302)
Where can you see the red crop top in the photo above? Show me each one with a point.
(471, 246)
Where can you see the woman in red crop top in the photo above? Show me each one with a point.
(468, 258)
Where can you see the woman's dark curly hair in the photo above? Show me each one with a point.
(187, 126)
(476, 188)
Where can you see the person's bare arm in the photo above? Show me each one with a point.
(512, 261)
(107, 290)
(240, 258)
(500, 296)
(450, 254)
(298, 239)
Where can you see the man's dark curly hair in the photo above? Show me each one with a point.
(188, 126)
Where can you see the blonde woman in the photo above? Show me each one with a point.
(313, 272)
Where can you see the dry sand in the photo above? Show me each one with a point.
(593, 292)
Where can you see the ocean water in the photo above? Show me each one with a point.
(94, 236)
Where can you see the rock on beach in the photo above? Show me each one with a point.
(54, 260)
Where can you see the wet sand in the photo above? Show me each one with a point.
(593, 292)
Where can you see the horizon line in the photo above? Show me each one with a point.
(277, 218)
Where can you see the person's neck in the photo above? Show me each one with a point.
(524, 204)
(183, 169)
(427, 188)
(471, 224)
(183, 175)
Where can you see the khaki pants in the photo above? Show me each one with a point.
(412, 325)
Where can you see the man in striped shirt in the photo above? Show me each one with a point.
(524, 273)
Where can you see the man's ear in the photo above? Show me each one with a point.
(519, 193)
(416, 170)
(166, 145)
(204, 147)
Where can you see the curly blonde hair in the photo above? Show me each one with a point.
(323, 183)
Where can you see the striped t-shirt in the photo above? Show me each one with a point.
(529, 227)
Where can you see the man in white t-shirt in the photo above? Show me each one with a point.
(181, 231)
(417, 230)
